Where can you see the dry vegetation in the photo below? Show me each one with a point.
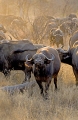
(61, 105)
(29, 9)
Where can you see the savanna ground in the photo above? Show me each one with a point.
(61, 105)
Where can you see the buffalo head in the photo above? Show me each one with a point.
(65, 56)
(37, 61)
(40, 59)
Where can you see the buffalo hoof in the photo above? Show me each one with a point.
(46, 97)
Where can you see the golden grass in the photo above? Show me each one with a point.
(61, 105)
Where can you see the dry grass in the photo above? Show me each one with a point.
(61, 105)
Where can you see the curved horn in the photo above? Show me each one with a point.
(76, 43)
(49, 58)
(62, 51)
(26, 58)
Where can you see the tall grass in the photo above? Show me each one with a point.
(61, 105)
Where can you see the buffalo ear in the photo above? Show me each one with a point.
(28, 67)
(29, 63)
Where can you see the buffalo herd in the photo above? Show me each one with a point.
(42, 61)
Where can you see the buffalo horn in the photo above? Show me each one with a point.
(62, 51)
(28, 60)
(49, 58)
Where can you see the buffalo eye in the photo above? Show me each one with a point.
(46, 61)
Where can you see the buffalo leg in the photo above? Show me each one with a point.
(40, 86)
(47, 84)
(27, 76)
(55, 82)
(76, 75)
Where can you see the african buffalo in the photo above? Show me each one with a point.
(14, 53)
(69, 27)
(6, 56)
(56, 37)
(3, 64)
(73, 39)
(41, 28)
(70, 57)
(72, 15)
(45, 65)
(17, 57)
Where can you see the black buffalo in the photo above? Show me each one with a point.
(73, 40)
(45, 65)
(71, 57)
(3, 64)
(17, 58)
(56, 37)
(12, 55)
(6, 56)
